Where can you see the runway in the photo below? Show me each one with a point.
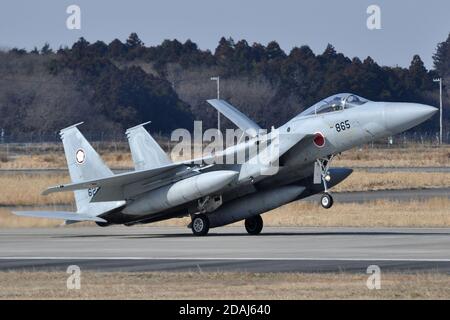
(226, 249)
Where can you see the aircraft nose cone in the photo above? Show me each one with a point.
(403, 116)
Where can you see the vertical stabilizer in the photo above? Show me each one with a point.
(145, 151)
(83, 162)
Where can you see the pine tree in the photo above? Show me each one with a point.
(441, 58)
(46, 49)
(274, 51)
(133, 41)
(418, 74)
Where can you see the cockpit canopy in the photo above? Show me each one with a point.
(336, 102)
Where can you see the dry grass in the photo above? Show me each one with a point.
(148, 285)
(9, 220)
(412, 156)
(25, 190)
(369, 181)
(58, 160)
(20, 189)
(34, 161)
(382, 213)
(430, 213)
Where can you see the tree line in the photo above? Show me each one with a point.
(117, 85)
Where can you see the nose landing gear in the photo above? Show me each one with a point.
(326, 201)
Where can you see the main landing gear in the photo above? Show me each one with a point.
(254, 225)
(200, 224)
(326, 201)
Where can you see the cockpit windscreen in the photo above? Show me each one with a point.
(336, 102)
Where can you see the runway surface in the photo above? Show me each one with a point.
(226, 249)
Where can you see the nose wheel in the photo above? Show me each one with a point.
(326, 200)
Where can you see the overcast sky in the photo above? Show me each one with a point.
(408, 26)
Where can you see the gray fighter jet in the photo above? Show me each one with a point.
(293, 162)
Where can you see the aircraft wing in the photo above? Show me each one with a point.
(238, 118)
(281, 144)
(289, 140)
(71, 216)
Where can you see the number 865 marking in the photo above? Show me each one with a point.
(342, 126)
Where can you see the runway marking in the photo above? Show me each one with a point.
(225, 258)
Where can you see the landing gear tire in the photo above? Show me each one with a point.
(200, 225)
(102, 224)
(254, 225)
(326, 201)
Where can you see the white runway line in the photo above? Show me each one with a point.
(219, 259)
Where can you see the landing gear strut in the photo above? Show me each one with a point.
(323, 164)
(254, 225)
(200, 225)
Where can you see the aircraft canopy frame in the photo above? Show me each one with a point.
(334, 103)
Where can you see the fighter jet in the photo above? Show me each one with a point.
(296, 159)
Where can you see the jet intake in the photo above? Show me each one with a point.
(180, 192)
(253, 204)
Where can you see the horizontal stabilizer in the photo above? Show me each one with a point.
(234, 115)
(64, 215)
(117, 181)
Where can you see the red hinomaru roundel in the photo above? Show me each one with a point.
(319, 139)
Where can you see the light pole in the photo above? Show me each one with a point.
(217, 79)
(440, 108)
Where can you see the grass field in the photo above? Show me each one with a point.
(58, 160)
(383, 213)
(20, 189)
(411, 156)
(369, 181)
(431, 213)
(185, 285)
